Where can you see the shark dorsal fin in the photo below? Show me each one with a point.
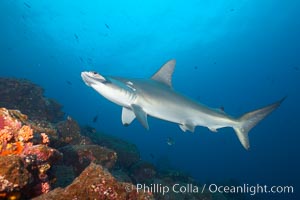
(164, 74)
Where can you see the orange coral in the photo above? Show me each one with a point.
(8, 126)
(13, 136)
(7, 121)
(45, 138)
(14, 148)
(5, 135)
(24, 134)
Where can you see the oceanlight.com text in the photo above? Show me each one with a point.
(249, 189)
(213, 188)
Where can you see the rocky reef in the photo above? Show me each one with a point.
(95, 182)
(44, 156)
(19, 94)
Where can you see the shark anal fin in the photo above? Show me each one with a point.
(213, 129)
(140, 115)
(164, 74)
(187, 127)
(127, 116)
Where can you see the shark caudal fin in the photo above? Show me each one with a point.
(250, 119)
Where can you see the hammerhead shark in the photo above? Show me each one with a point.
(156, 97)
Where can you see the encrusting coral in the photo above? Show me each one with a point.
(14, 136)
(16, 142)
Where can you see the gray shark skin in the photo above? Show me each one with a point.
(155, 97)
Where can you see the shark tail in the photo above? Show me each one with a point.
(247, 121)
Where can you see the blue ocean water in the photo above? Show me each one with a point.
(240, 55)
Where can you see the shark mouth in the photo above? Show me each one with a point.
(92, 77)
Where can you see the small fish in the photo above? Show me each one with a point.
(196, 67)
(151, 155)
(27, 5)
(90, 61)
(69, 82)
(95, 119)
(81, 59)
(222, 108)
(296, 68)
(76, 37)
(106, 25)
(232, 10)
(170, 141)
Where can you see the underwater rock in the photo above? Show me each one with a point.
(121, 175)
(42, 126)
(96, 183)
(68, 131)
(13, 174)
(65, 175)
(128, 154)
(43, 154)
(80, 156)
(38, 160)
(142, 172)
(28, 98)
(176, 176)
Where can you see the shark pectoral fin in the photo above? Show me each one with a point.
(127, 116)
(187, 127)
(140, 115)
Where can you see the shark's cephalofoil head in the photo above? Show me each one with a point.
(114, 89)
(92, 78)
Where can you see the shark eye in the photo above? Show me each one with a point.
(95, 73)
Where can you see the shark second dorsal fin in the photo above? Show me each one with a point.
(164, 74)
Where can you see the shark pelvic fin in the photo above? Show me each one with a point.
(127, 116)
(140, 115)
(187, 127)
(164, 74)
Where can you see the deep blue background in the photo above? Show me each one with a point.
(237, 54)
